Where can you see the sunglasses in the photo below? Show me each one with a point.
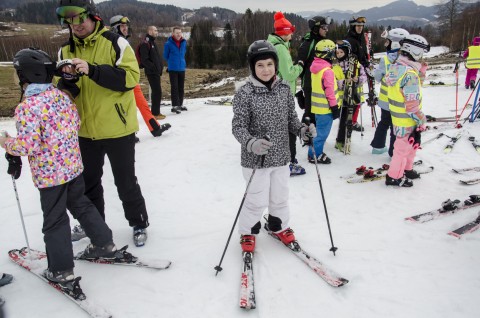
(71, 15)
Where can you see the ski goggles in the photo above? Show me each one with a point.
(425, 47)
(71, 15)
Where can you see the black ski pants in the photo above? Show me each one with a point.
(121, 154)
(156, 88)
(177, 83)
(56, 224)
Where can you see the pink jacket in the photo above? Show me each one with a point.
(328, 80)
(47, 132)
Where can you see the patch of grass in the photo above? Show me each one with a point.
(9, 91)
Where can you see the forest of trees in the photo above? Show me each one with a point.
(455, 27)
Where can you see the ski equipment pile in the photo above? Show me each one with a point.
(448, 207)
(35, 263)
(247, 288)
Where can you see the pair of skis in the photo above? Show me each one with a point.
(247, 290)
(469, 181)
(34, 262)
(450, 207)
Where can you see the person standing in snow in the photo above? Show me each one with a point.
(288, 72)
(343, 51)
(392, 45)
(404, 82)
(121, 25)
(47, 132)
(153, 66)
(325, 98)
(356, 38)
(471, 76)
(262, 107)
(106, 105)
(174, 52)
(306, 52)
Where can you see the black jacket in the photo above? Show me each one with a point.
(150, 56)
(359, 47)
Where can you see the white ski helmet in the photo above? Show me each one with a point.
(415, 45)
(395, 36)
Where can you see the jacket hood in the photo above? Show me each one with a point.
(319, 64)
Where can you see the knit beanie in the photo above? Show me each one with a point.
(281, 25)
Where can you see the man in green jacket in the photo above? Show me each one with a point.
(101, 78)
(288, 72)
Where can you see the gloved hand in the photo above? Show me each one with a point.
(307, 132)
(422, 127)
(14, 165)
(259, 146)
(335, 112)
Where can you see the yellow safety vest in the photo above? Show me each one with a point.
(473, 59)
(339, 75)
(319, 100)
(396, 102)
(383, 85)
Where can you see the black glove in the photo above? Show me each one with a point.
(335, 112)
(14, 165)
(300, 99)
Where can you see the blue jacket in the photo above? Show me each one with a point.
(174, 55)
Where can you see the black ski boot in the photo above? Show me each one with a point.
(401, 182)
(412, 174)
(450, 205)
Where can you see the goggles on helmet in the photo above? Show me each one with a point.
(425, 47)
(71, 15)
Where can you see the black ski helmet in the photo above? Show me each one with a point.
(318, 21)
(33, 66)
(259, 50)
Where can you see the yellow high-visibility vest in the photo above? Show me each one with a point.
(473, 59)
(396, 102)
(319, 100)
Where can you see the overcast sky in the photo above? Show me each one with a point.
(291, 6)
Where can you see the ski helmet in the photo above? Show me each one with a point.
(395, 36)
(325, 49)
(414, 45)
(260, 50)
(115, 23)
(317, 22)
(357, 21)
(345, 46)
(76, 11)
(33, 66)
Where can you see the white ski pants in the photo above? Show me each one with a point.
(269, 188)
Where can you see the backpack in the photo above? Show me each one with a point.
(137, 53)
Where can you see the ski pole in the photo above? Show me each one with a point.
(333, 248)
(21, 216)
(260, 159)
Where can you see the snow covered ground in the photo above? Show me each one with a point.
(192, 182)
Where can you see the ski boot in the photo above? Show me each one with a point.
(5, 279)
(412, 174)
(93, 252)
(323, 159)
(247, 242)
(401, 182)
(78, 233)
(139, 236)
(450, 205)
(296, 169)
